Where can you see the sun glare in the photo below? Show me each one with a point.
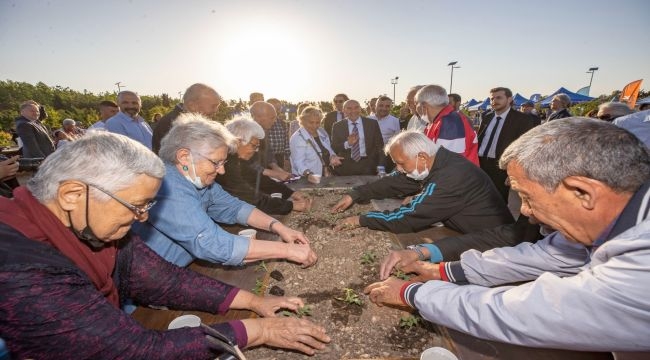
(265, 58)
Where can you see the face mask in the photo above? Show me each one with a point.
(196, 181)
(417, 175)
(86, 234)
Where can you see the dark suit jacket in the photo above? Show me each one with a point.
(374, 147)
(564, 113)
(163, 126)
(36, 139)
(328, 122)
(515, 125)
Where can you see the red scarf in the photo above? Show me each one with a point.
(31, 218)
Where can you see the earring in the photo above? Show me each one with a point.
(185, 168)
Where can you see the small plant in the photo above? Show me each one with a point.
(410, 321)
(303, 311)
(259, 287)
(401, 275)
(350, 297)
(262, 267)
(368, 258)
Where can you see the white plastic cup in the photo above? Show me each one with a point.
(249, 233)
(276, 195)
(437, 353)
(185, 321)
(314, 178)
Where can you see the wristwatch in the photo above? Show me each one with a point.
(417, 249)
(307, 172)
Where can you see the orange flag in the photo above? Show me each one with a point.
(630, 92)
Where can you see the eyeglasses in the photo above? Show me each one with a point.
(217, 164)
(137, 210)
(607, 117)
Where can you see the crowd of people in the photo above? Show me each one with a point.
(116, 213)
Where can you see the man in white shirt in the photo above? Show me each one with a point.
(416, 123)
(388, 124)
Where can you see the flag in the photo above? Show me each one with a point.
(630, 93)
(584, 91)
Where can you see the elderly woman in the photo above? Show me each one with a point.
(183, 226)
(249, 133)
(311, 152)
(67, 133)
(68, 263)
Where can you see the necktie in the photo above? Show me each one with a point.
(486, 151)
(355, 153)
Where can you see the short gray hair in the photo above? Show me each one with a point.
(68, 122)
(245, 129)
(615, 109)
(412, 143)
(579, 146)
(128, 92)
(564, 99)
(195, 132)
(101, 158)
(433, 95)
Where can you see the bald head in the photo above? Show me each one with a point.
(264, 114)
(202, 99)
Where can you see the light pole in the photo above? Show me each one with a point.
(591, 70)
(119, 86)
(394, 82)
(453, 66)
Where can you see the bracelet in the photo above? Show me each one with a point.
(273, 222)
(416, 248)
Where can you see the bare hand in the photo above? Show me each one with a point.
(344, 203)
(335, 161)
(424, 270)
(353, 139)
(277, 173)
(348, 223)
(289, 235)
(268, 305)
(407, 200)
(302, 204)
(386, 292)
(298, 195)
(286, 333)
(302, 254)
(396, 259)
(9, 167)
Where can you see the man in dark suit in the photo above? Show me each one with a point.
(498, 129)
(559, 105)
(334, 116)
(36, 139)
(358, 140)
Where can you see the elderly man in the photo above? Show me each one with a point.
(336, 115)
(559, 107)
(446, 127)
(447, 188)
(609, 111)
(499, 129)
(264, 114)
(198, 98)
(36, 139)
(107, 109)
(278, 136)
(587, 284)
(358, 141)
(128, 122)
(415, 122)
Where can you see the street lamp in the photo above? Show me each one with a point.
(591, 70)
(394, 82)
(119, 86)
(452, 64)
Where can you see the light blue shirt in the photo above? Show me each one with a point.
(304, 156)
(638, 124)
(182, 225)
(137, 129)
(362, 138)
(389, 126)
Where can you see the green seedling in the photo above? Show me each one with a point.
(350, 297)
(410, 321)
(401, 275)
(368, 258)
(303, 311)
(262, 267)
(259, 287)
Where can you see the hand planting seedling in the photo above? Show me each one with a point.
(303, 311)
(350, 297)
(410, 321)
(368, 258)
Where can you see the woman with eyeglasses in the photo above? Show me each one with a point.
(249, 134)
(68, 263)
(183, 225)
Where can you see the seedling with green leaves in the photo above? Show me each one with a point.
(368, 258)
(303, 311)
(401, 275)
(262, 267)
(410, 321)
(350, 297)
(259, 287)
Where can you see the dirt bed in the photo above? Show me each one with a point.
(348, 259)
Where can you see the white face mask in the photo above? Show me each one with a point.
(196, 181)
(416, 174)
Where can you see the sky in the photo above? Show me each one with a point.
(298, 50)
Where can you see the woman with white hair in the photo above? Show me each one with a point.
(68, 263)
(311, 152)
(67, 133)
(183, 227)
(249, 134)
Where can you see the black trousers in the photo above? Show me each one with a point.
(365, 166)
(498, 176)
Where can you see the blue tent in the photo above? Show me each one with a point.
(518, 100)
(575, 98)
(480, 106)
(470, 103)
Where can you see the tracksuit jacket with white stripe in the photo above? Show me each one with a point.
(456, 192)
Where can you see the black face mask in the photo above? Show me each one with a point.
(86, 234)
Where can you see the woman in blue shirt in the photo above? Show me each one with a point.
(311, 152)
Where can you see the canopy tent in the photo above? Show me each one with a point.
(518, 100)
(575, 98)
(480, 106)
(470, 103)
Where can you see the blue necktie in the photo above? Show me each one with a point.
(355, 150)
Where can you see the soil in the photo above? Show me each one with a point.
(358, 331)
